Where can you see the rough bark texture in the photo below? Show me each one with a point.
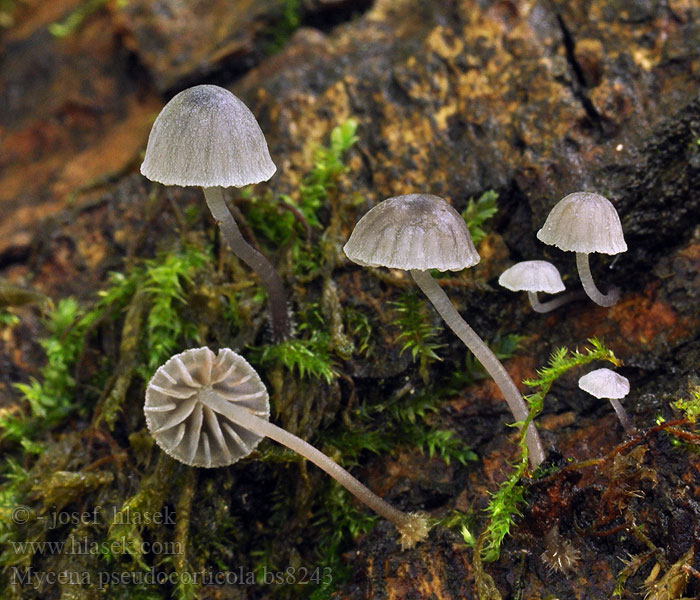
(535, 99)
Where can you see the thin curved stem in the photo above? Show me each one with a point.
(584, 273)
(413, 528)
(484, 355)
(271, 281)
(622, 415)
(550, 305)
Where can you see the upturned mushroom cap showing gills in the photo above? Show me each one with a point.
(604, 383)
(205, 136)
(584, 222)
(412, 232)
(532, 276)
(179, 415)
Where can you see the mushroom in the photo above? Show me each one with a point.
(534, 276)
(604, 383)
(205, 136)
(584, 222)
(208, 410)
(418, 232)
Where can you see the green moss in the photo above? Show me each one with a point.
(133, 517)
(343, 522)
(308, 357)
(282, 28)
(154, 327)
(74, 21)
(690, 406)
(478, 212)
(7, 319)
(50, 399)
(281, 226)
(464, 523)
(360, 329)
(417, 330)
(506, 500)
(163, 280)
(405, 424)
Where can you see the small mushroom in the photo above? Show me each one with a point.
(604, 383)
(534, 276)
(418, 232)
(208, 410)
(205, 136)
(584, 222)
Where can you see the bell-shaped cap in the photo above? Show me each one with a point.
(604, 383)
(182, 422)
(206, 136)
(532, 276)
(416, 231)
(584, 222)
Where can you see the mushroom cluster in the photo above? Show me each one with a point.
(418, 232)
(208, 410)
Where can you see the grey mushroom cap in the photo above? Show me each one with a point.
(205, 136)
(584, 222)
(532, 276)
(415, 231)
(182, 423)
(604, 383)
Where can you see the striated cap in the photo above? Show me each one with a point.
(584, 222)
(604, 383)
(532, 276)
(416, 231)
(206, 136)
(180, 419)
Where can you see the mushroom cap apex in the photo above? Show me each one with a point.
(532, 276)
(206, 136)
(414, 231)
(584, 222)
(604, 383)
(182, 422)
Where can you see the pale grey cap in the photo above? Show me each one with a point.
(532, 276)
(416, 231)
(604, 383)
(206, 136)
(184, 426)
(584, 222)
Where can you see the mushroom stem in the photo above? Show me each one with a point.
(584, 273)
(412, 527)
(484, 355)
(550, 305)
(622, 416)
(254, 259)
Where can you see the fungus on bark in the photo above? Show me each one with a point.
(533, 276)
(208, 410)
(584, 222)
(604, 383)
(418, 232)
(205, 136)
